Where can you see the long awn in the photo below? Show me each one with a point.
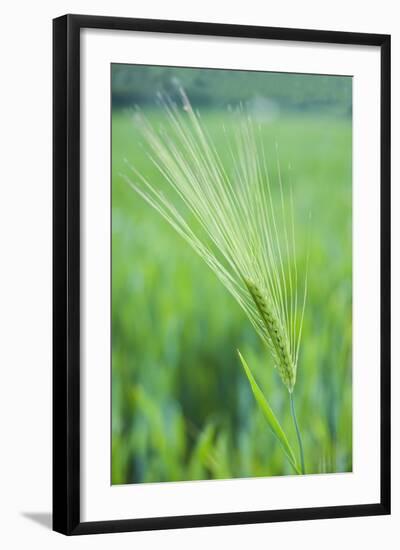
(226, 210)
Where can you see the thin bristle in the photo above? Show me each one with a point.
(239, 230)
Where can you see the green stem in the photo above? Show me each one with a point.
(303, 470)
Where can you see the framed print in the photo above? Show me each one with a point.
(221, 274)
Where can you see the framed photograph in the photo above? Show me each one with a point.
(221, 274)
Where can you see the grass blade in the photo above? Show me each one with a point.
(269, 415)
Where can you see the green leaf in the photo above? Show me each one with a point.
(201, 454)
(269, 415)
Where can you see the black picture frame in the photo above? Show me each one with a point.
(66, 273)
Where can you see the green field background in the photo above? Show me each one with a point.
(182, 408)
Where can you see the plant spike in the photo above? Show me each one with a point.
(229, 217)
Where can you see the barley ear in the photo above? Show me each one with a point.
(278, 338)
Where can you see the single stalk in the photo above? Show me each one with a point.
(303, 470)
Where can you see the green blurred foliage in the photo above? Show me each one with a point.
(182, 408)
(215, 87)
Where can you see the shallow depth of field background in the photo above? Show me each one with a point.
(182, 408)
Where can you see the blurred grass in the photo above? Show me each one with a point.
(182, 408)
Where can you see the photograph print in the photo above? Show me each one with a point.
(231, 274)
